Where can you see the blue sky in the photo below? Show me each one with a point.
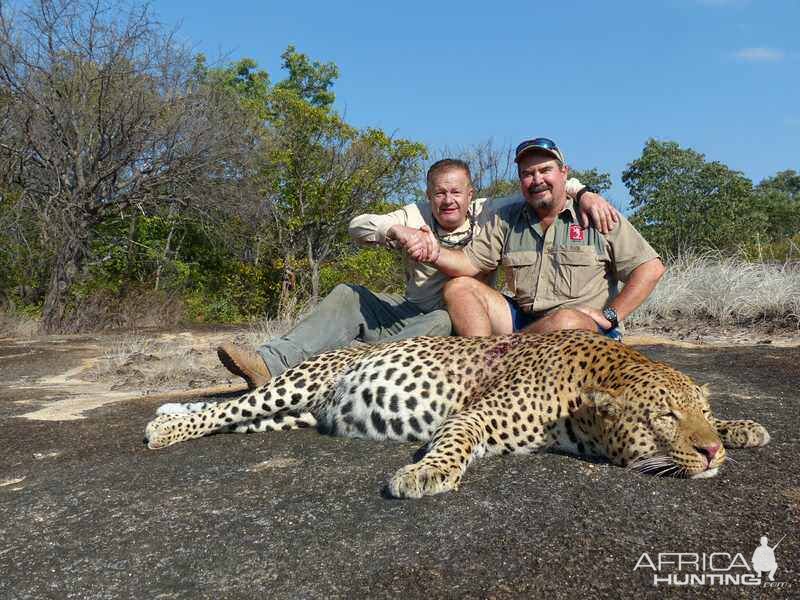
(600, 78)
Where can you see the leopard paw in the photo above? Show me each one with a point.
(418, 480)
(742, 434)
(758, 435)
(164, 431)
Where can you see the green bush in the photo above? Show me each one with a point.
(379, 269)
(234, 295)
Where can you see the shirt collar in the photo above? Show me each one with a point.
(569, 207)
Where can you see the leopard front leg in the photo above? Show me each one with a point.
(741, 434)
(455, 444)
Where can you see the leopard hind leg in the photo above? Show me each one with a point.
(184, 408)
(283, 421)
(292, 392)
(297, 391)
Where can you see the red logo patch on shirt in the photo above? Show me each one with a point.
(575, 233)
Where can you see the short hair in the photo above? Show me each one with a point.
(448, 164)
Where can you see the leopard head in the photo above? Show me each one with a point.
(661, 427)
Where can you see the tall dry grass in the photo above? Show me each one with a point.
(17, 325)
(724, 290)
(264, 329)
(141, 362)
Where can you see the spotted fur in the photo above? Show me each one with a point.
(574, 391)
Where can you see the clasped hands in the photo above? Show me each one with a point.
(420, 244)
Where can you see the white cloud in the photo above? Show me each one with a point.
(760, 55)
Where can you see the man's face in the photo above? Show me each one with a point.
(450, 194)
(542, 181)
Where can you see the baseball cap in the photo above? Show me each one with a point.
(543, 145)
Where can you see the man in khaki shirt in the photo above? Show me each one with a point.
(561, 275)
(452, 217)
(424, 283)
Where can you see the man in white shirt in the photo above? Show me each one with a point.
(352, 312)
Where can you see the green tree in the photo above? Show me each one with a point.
(318, 171)
(681, 201)
(310, 80)
(104, 116)
(593, 178)
(778, 199)
(22, 257)
(786, 182)
(243, 79)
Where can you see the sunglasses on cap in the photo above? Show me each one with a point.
(540, 143)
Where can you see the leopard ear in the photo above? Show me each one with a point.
(704, 390)
(605, 403)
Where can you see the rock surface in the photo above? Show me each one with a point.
(89, 512)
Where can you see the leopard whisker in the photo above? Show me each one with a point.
(643, 460)
(674, 471)
(653, 465)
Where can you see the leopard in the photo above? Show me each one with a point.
(571, 391)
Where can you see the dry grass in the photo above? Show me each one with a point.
(265, 329)
(15, 325)
(137, 362)
(724, 290)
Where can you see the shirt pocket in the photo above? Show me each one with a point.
(522, 274)
(578, 271)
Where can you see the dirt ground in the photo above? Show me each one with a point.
(89, 512)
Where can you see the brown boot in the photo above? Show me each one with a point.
(245, 363)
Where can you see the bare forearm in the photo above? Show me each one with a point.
(455, 264)
(642, 282)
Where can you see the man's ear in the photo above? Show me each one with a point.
(606, 405)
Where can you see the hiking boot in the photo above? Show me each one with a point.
(245, 363)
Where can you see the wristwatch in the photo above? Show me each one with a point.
(582, 191)
(611, 314)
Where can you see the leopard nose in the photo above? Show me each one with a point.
(709, 451)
